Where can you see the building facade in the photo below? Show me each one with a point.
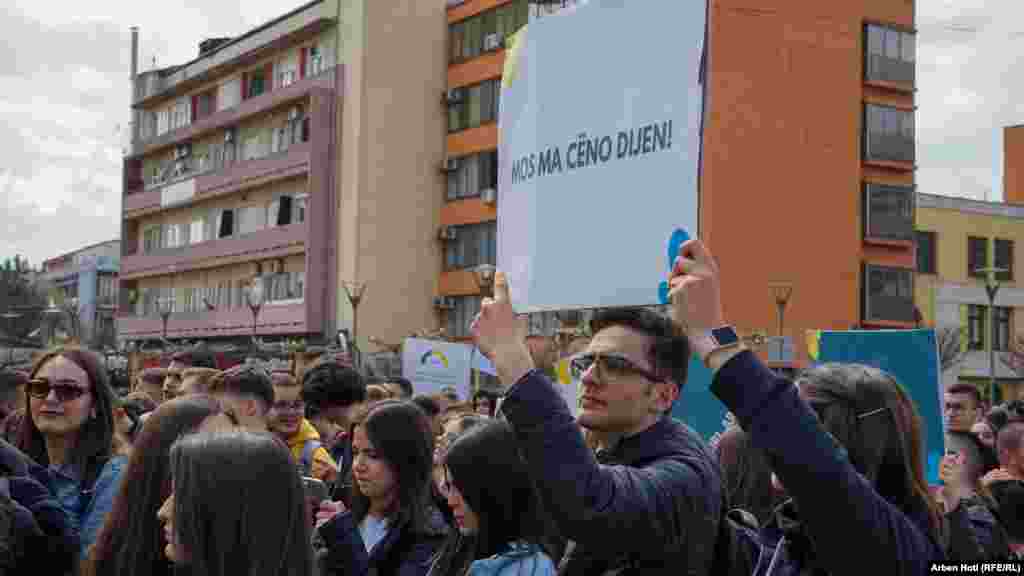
(816, 106)
(85, 283)
(956, 238)
(299, 156)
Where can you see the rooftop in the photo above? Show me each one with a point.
(969, 205)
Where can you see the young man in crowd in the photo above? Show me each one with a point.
(989, 535)
(195, 358)
(338, 392)
(151, 381)
(963, 407)
(654, 507)
(197, 380)
(287, 420)
(246, 394)
(401, 388)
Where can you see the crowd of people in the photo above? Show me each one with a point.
(264, 472)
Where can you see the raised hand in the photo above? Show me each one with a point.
(694, 289)
(950, 470)
(501, 336)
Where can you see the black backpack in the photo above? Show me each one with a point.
(738, 546)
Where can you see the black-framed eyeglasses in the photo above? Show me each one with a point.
(40, 388)
(609, 367)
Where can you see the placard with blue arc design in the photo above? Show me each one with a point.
(675, 241)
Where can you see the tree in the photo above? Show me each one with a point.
(20, 296)
(951, 349)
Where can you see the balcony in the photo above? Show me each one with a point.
(218, 178)
(273, 242)
(273, 320)
(232, 116)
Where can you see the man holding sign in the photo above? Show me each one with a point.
(653, 507)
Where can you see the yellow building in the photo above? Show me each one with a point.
(955, 238)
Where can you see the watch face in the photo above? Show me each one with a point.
(725, 336)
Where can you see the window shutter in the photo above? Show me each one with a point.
(268, 77)
(245, 86)
(195, 107)
(284, 213)
(302, 62)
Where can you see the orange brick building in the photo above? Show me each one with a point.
(808, 169)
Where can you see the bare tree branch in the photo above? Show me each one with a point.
(951, 349)
(1014, 357)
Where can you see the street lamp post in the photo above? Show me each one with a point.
(991, 289)
(782, 291)
(10, 317)
(166, 308)
(254, 298)
(72, 308)
(354, 291)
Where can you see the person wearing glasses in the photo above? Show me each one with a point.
(287, 420)
(652, 504)
(246, 394)
(70, 429)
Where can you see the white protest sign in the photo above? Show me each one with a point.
(432, 364)
(599, 144)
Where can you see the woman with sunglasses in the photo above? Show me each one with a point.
(130, 541)
(70, 429)
(501, 526)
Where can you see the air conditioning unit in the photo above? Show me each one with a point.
(450, 165)
(492, 42)
(453, 96)
(229, 136)
(489, 195)
(447, 233)
(444, 302)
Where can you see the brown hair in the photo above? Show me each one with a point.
(96, 436)
(131, 540)
(456, 411)
(204, 377)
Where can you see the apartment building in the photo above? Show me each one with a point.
(808, 163)
(956, 237)
(281, 164)
(84, 284)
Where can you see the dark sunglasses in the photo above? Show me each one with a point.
(609, 367)
(40, 388)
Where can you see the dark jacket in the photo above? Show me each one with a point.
(48, 536)
(402, 552)
(652, 509)
(853, 530)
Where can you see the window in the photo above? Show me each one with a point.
(106, 290)
(288, 70)
(181, 113)
(256, 83)
(925, 252)
(977, 256)
(1004, 259)
(174, 236)
(163, 121)
(890, 55)
(225, 223)
(479, 105)
(976, 319)
(889, 294)
(473, 174)
(888, 212)
(206, 104)
(251, 219)
(228, 94)
(281, 211)
(299, 207)
(459, 317)
(468, 38)
(888, 134)
(1001, 329)
(151, 239)
(197, 231)
(315, 60)
(474, 244)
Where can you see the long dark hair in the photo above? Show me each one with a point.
(239, 505)
(485, 466)
(402, 435)
(873, 418)
(131, 540)
(96, 436)
(746, 473)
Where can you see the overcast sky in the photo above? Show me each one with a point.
(64, 69)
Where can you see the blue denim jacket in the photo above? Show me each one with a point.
(87, 506)
(520, 560)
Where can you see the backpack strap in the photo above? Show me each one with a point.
(308, 449)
